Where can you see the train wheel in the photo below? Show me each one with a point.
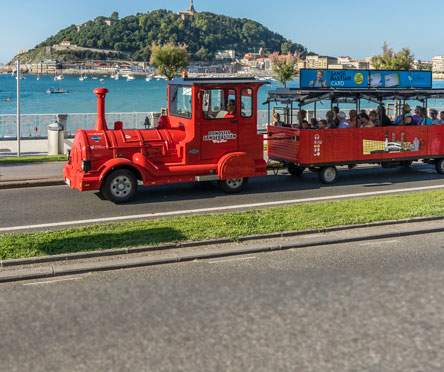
(295, 170)
(120, 186)
(439, 166)
(328, 174)
(406, 163)
(233, 185)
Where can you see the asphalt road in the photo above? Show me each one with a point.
(367, 306)
(43, 205)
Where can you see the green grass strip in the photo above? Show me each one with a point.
(33, 159)
(231, 225)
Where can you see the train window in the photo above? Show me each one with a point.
(247, 103)
(180, 101)
(219, 104)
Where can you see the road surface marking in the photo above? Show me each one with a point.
(382, 242)
(216, 209)
(232, 259)
(52, 281)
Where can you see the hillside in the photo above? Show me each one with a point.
(204, 34)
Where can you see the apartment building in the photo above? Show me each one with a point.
(319, 62)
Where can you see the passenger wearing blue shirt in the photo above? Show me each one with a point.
(424, 119)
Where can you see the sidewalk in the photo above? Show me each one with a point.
(28, 147)
(31, 174)
(17, 175)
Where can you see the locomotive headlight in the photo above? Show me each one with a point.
(86, 165)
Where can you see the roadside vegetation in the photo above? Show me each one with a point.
(33, 159)
(389, 60)
(228, 225)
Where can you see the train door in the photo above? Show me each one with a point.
(220, 122)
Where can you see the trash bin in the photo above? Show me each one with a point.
(55, 139)
(155, 119)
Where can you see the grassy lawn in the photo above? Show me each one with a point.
(33, 159)
(231, 225)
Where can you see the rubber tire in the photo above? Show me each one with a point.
(295, 170)
(108, 186)
(231, 187)
(439, 165)
(406, 163)
(328, 175)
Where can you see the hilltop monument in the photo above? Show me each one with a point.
(188, 13)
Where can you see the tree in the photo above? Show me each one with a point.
(204, 54)
(388, 60)
(169, 59)
(285, 68)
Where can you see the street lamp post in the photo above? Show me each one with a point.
(18, 107)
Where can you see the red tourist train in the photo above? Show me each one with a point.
(210, 134)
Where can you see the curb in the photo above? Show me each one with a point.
(30, 183)
(168, 258)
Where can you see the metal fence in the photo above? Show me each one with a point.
(36, 125)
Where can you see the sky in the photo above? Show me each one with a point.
(328, 27)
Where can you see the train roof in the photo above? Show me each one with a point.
(218, 81)
(305, 96)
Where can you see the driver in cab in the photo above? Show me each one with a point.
(231, 109)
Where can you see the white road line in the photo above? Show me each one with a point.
(216, 209)
(382, 242)
(232, 259)
(52, 281)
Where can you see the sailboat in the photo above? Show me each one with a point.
(82, 77)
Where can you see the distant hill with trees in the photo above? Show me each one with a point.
(203, 33)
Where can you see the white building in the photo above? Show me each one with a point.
(344, 60)
(226, 54)
(438, 64)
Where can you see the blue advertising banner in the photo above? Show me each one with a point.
(365, 79)
(421, 79)
(334, 78)
(390, 79)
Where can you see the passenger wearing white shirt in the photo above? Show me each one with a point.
(434, 117)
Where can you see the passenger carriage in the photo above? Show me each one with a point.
(322, 150)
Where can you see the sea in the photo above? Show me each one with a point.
(137, 95)
(124, 96)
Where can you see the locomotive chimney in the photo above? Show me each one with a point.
(101, 122)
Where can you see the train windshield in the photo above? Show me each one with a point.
(180, 101)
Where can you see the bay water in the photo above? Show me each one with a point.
(137, 95)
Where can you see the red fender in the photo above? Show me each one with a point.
(236, 165)
(116, 162)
